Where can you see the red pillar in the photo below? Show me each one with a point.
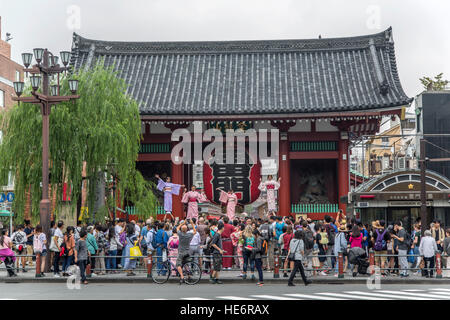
(284, 193)
(177, 177)
(343, 174)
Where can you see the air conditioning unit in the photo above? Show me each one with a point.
(401, 163)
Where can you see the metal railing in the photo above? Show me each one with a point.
(144, 263)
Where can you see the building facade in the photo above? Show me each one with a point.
(433, 116)
(396, 196)
(315, 92)
(10, 71)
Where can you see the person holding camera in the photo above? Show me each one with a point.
(184, 242)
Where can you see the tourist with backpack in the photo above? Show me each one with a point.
(40, 246)
(19, 240)
(365, 237)
(331, 232)
(101, 243)
(249, 242)
(264, 230)
(286, 240)
(416, 237)
(404, 243)
(257, 253)
(322, 242)
(381, 238)
(207, 253)
(69, 241)
(308, 239)
(296, 253)
(111, 250)
(272, 244)
(160, 242)
(340, 245)
(92, 247)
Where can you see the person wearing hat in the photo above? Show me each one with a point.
(340, 245)
(91, 246)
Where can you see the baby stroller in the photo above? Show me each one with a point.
(357, 256)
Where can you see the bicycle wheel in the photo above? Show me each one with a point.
(160, 272)
(192, 273)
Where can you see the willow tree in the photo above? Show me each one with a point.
(101, 129)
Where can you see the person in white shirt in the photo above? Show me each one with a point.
(194, 247)
(428, 249)
(19, 239)
(57, 238)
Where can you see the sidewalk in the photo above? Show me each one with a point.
(225, 276)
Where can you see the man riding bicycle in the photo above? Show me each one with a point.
(185, 238)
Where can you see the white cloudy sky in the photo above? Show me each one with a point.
(421, 28)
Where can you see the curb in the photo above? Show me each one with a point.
(225, 280)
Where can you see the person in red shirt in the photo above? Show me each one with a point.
(227, 260)
(287, 237)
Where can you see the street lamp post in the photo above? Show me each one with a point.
(47, 65)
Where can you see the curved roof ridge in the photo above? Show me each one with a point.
(376, 180)
(258, 76)
(361, 41)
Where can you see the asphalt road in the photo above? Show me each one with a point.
(136, 291)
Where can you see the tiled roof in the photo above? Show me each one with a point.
(244, 77)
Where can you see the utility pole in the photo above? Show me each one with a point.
(423, 192)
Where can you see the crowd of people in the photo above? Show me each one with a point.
(245, 244)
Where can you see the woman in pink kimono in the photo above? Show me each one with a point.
(270, 186)
(231, 200)
(192, 199)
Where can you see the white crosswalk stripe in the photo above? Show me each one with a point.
(349, 296)
(381, 295)
(234, 298)
(440, 289)
(269, 297)
(424, 295)
(406, 294)
(311, 297)
(414, 290)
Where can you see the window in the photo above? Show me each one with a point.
(385, 141)
(2, 99)
(17, 75)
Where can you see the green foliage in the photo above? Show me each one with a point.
(434, 85)
(102, 129)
